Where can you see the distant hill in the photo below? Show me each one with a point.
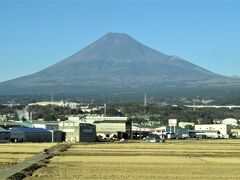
(116, 62)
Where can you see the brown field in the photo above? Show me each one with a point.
(196, 159)
(13, 153)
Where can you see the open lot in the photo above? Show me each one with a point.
(13, 153)
(195, 159)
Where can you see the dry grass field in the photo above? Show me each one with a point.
(187, 159)
(14, 153)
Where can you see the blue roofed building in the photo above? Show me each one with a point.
(30, 135)
(4, 135)
(53, 127)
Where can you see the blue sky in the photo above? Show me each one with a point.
(37, 34)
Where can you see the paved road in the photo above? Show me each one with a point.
(10, 171)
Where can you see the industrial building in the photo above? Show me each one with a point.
(30, 135)
(53, 127)
(77, 131)
(109, 126)
(4, 135)
(141, 131)
(177, 132)
(223, 129)
(202, 134)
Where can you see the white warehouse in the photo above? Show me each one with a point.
(224, 129)
(108, 125)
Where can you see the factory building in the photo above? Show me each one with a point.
(30, 135)
(176, 132)
(141, 131)
(109, 126)
(223, 129)
(203, 134)
(4, 135)
(53, 127)
(77, 131)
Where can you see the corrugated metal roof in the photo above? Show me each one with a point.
(30, 130)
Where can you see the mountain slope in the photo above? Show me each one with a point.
(117, 60)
